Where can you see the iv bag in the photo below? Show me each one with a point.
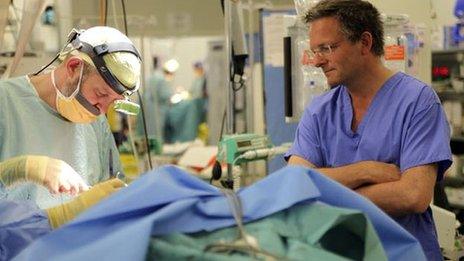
(396, 42)
(415, 42)
(303, 82)
(314, 82)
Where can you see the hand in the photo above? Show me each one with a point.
(55, 175)
(380, 172)
(62, 178)
(61, 214)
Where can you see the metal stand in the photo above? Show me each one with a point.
(230, 126)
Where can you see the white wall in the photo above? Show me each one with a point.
(444, 11)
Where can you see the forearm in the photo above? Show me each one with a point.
(351, 176)
(13, 171)
(391, 197)
(356, 174)
(410, 194)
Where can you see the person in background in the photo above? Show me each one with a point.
(54, 123)
(383, 134)
(198, 88)
(198, 91)
(156, 97)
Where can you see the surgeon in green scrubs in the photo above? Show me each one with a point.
(54, 122)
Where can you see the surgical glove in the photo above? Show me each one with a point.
(56, 175)
(63, 213)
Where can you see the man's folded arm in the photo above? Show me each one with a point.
(411, 194)
(354, 175)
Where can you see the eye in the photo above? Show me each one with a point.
(100, 94)
(324, 49)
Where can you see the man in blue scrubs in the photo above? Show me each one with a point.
(381, 133)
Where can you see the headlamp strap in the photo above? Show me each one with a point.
(96, 53)
(103, 49)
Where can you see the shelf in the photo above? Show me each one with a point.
(457, 145)
(453, 182)
(450, 95)
(448, 56)
(458, 139)
(448, 51)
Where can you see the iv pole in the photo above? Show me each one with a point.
(230, 125)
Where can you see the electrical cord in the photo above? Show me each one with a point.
(145, 132)
(216, 173)
(105, 17)
(222, 125)
(56, 57)
(244, 243)
(240, 84)
(46, 66)
(124, 17)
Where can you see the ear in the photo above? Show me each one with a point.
(366, 43)
(73, 67)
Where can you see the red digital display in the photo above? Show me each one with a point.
(440, 72)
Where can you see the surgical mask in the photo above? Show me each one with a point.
(72, 107)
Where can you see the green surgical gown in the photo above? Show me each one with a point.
(156, 96)
(29, 126)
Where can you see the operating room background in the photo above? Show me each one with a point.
(189, 30)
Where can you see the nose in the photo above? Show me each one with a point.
(318, 61)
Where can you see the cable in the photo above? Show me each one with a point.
(145, 132)
(222, 125)
(62, 51)
(244, 243)
(101, 12)
(105, 17)
(216, 172)
(124, 16)
(240, 84)
(115, 17)
(132, 142)
(46, 66)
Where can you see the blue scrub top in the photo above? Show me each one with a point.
(404, 125)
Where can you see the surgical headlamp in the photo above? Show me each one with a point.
(96, 54)
(126, 106)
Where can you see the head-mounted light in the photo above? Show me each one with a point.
(96, 53)
(126, 106)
